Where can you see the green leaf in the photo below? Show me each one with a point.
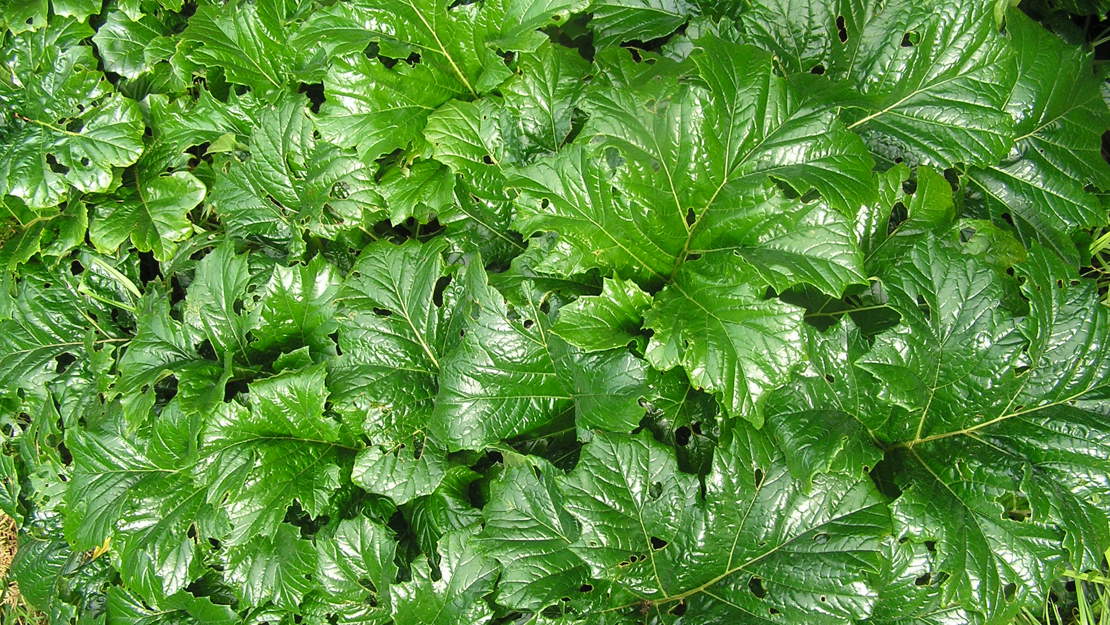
(250, 44)
(465, 577)
(141, 496)
(378, 109)
(529, 532)
(52, 579)
(400, 473)
(67, 127)
(387, 377)
(280, 449)
(356, 562)
(1007, 406)
(289, 182)
(606, 321)
(617, 21)
(155, 217)
(915, 100)
(500, 380)
(740, 553)
(123, 42)
(424, 190)
(606, 387)
(715, 322)
(163, 347)
(928, 207)
(923, 104)
(1058, 116)
(275, 569)
(448, 508)
(46, 321)
(467, 138)
(214, 302)
(542, 98)
(296, 308)
(457, 43)
(687, 154)
(786, 242)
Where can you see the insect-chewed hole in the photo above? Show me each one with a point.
(682, 436)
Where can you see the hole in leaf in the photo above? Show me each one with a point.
(528, 323)
(149, 269)
(679, 608)
(76, 267)
(682, 436)
(841, 31)
(923, 580)
(63, 361)
(656, 490)
(233, 388)
(909, 186)
(691, 217)
(440, 287)
(315, 93)
(898, 214)
(55, 166)
(585, 588)
(953, 178)
(382, 312)
(818, 69)
(822, 598)
(487, 159)
(821, 538)
(657, 543)
(755, 585)
(1010, 590)
(931, 545)
(759, 477)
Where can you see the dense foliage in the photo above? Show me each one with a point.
(552, 311)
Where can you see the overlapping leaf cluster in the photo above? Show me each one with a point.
(550, 311)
